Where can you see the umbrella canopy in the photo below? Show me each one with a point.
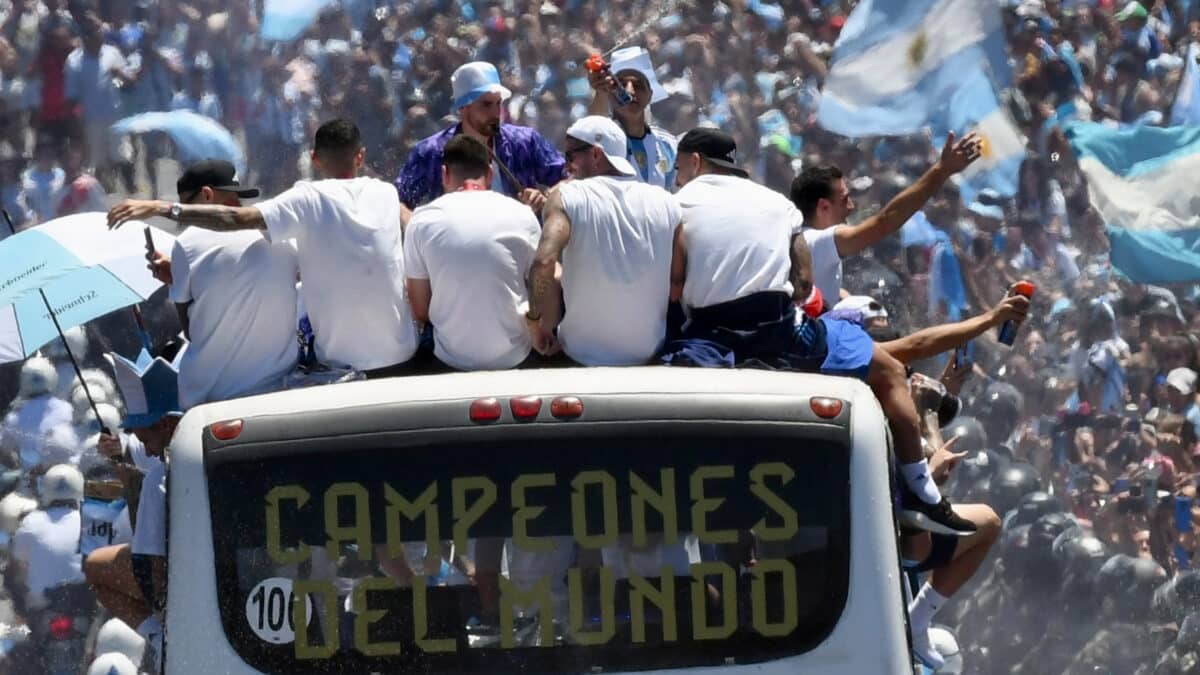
(195, 136)
(79, 267)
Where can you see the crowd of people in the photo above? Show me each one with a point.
(1075, 450)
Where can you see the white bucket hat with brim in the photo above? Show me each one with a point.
(638, 59)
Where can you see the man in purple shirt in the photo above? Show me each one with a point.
(524, 163)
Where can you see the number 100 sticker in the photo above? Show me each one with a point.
(269, 610)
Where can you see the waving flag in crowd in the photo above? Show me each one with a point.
(1142, 181)
(1186, 109)
(976, 107)
(897, 61)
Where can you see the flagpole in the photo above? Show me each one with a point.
(66, 345)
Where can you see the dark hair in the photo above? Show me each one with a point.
(812, 185)
(466, 157)
(337, 139)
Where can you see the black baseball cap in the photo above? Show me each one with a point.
(216, 174)
(714, 145)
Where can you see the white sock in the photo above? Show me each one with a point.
(150, 626)
(920, 482)
(923, 607)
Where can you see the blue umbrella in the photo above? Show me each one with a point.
(58, 284)
(195, 136)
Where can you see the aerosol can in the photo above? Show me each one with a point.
(597, 64)
(1008, 331)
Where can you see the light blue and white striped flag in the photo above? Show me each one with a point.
(976, 107)
(1186, 109)
(1142, 180)
(897, 61)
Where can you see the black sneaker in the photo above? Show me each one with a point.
(938, 518)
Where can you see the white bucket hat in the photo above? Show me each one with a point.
(475, 79)
(604, 133)
(638, 59)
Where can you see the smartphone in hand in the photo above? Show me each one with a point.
(149, 244)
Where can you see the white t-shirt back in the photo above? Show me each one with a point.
(738, 237)
(616, 269)
(347, 236)
(47, 542)
(242, 321)
(475, 248)
(827, 262)
(150, 533)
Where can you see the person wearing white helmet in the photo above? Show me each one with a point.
(34, 413)
(56, 351)
(524, 162)
(13, 508)
(45, 553)
(61, 446)
(81, 406)
(112, 663)
(116, 637)
(650, 149)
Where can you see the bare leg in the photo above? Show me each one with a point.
(971, 550)
(890, 384)
(109, 570)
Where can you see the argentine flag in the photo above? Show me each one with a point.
(897, 61)
(976, 107)
(1186, 108)
(1142, 180)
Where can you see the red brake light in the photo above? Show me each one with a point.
(485, 410)
(227, 430)
(525, 407)
(60, 627)
(827, 408)
(566, 407)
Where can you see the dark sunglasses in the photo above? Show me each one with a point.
(570, 152)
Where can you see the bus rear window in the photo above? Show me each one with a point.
(577, 554)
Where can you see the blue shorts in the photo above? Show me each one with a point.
(761, 330)
(849, 349)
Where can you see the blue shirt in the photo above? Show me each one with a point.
(531, 158)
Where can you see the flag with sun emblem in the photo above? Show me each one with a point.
(975, 107)
(897, 61)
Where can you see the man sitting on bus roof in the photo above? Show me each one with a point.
(738, 257)
(612, 235)
(348, 243)
(215, 276)
(466, 255)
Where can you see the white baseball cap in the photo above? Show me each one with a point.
(604, 133)
(1182, 380)
(638, 59)
(868, 307)
(475, 79)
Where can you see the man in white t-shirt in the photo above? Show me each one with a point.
(348, 242)
(822, 196)
(45, 548)
(613, 236)
(736, 257)
(130, 579)
(467, 254)
(236, 297)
